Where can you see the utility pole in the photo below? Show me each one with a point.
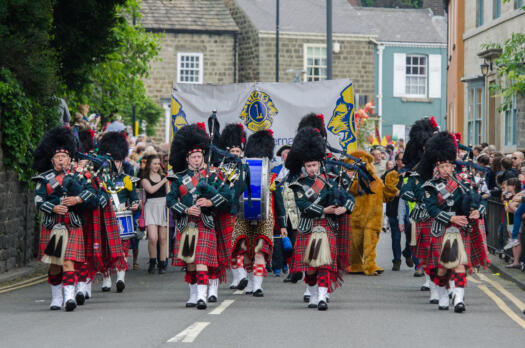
(276, 40)
(133, 109)
(329, 42)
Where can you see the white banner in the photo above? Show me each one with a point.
(276, 106)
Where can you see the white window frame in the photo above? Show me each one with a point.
(305, 61)
(407, 76)
(180, 68)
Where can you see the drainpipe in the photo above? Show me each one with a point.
(380, 49)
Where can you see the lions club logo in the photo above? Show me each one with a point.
(342, 122)
(178, 116)
(259, 111)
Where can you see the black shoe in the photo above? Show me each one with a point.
(55, 308)
(120, 286)
(70, 305)
(327, 299)
(87, 296)
(443, 308)
(312, 305)
(106, 289)
(424, 288)
(151, 268)
(258, 293)
(434, 301)
(248, 293)
(190, 305)
(306, 298)
(409, 262)
(80, 298)
(296, 277)
(419, 273)
(212, 298)
(233, 287)
(288, 278)
(201, 304)
(162, 269)
(242, 284)
(322, 306)
(460, 308)
(396, 266)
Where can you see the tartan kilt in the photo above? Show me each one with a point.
(423, 237)
(224, 223)
(478, 245)
(301, 242)
(432, 260)
(206, 249)
(75, 249)
(343, 241)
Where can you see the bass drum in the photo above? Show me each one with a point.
(259, 209)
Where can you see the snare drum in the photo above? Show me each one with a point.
(260, 190)
(125, 224)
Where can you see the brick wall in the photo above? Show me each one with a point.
(18, 235)
(355, 59)
(218, 63)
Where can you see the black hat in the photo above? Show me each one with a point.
(314, 121)
(438, 149)
(308, 145)
(282, 148)
(114, 144)
(85, 140)
(420, 132)
(190, 138)
(260, 144)
(232, 135)
(59, 139)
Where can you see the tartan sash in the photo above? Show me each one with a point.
(312, 192)
(189, 183)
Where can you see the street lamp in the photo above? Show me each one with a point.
(484, 68)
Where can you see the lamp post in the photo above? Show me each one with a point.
(329, 42)
(276, 40)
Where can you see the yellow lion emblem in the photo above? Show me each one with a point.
(342, 122)
(258, 112)
(178, 116)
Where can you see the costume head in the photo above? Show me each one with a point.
(308, 145)
(420, 132)
(440, 148)
(260, 144)
(56, 140)
(85, 140)
(282, 149)
(232, 135)
(314, 121)
(187, 140)
(115, 145)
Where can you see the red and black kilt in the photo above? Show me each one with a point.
(301, 242)
(423, 237)
(75, 249)
(224, 223)
(432, 260)
(479, 254)
(206, 249)
(343, 241)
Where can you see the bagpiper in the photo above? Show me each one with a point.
(316, 244)
(194, 199)
(61, 195)
(120, 188)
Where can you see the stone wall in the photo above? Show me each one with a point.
(18, 232)
(355, 59)
(520, 124)
(218, 63)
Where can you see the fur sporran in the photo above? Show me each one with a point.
(413, 236)
(56, 247)
(317, 252)
(452, 249)
(188, 243)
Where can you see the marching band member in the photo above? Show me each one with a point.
(457, 212)
(316, 244)
(254, 239)
(121, 189)
(61, 195)
(194, 199)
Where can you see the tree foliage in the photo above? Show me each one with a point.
(116, 84)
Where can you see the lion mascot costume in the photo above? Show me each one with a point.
(367, 217)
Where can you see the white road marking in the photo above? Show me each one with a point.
(189, 334)
(239, 292)
(221, 307)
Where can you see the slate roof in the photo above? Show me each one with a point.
(309, 16)
(188, 15)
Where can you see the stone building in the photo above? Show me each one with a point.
(486, 22)
(199, 45)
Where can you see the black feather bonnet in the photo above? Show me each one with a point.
(59, 139)
(308, 145)
(190, 138)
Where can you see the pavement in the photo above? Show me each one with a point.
(387, 311)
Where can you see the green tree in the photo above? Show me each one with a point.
(116, 84)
